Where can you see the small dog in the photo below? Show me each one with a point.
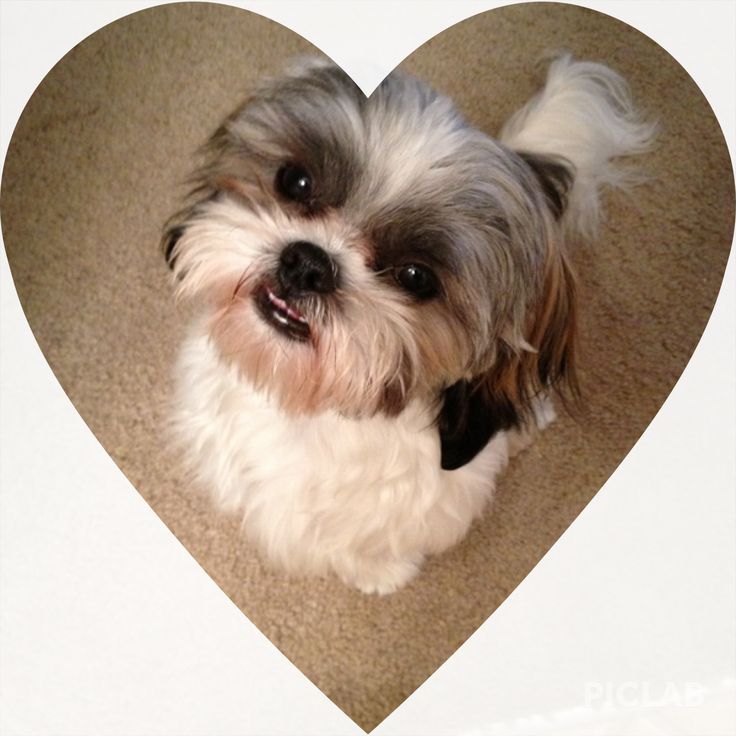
(386, 301)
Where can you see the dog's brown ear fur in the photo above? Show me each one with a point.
(473, 411)
(552, 331)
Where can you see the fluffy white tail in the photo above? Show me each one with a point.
(584, 115)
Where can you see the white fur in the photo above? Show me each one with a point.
(366, 499)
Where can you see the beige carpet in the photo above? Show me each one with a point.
(95, 168)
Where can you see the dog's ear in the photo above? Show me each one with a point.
(177, 224)
(555, 177)
(172, 235)
(552, 331)
(473, 411)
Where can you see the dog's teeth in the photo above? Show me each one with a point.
(280, 303)
(284, 307)
(298, 317)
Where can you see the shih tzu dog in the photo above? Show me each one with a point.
(387, 302)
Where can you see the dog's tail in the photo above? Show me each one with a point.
(572, 130)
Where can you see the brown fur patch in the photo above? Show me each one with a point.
(551, 330)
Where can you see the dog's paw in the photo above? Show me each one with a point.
(544, 412)
(544, 415)
(380, 577)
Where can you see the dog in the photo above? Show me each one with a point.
(386, 305)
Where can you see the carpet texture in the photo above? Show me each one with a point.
(96, 166)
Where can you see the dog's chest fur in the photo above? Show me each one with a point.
(365, 498)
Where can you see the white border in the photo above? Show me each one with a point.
(98, 640)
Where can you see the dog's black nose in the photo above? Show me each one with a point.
(305, 267)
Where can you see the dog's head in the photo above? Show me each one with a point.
(359, 253)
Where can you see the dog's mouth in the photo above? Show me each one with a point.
(282, 315)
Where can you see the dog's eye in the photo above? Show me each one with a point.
(294, 183)
(418, 280)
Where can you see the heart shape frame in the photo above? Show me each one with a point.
(522, 526)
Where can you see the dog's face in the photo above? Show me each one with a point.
(360, 253)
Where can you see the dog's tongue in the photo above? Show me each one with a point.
(285, 307)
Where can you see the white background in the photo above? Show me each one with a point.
(109, 627)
